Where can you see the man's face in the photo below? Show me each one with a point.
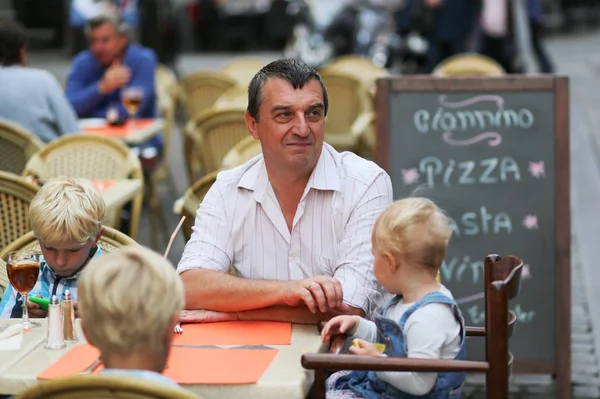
(291, 124)
(106, 44)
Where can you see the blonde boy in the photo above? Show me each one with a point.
(129, 301)
(409, 242)
(66, 217)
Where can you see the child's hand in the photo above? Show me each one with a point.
(34, 310)
(366, 348)
(340, 325)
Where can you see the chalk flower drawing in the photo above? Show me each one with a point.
(530, 222)
(410, 176)
(537, 169)
(526, 272)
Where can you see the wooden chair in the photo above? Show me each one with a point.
(349, 111)
(16, 147)
(200, 90)
(189, 203)
(90, 157)
(502, 283)
(242, 152)
(100, 386)
(468, 64)
(210, 135)
(16, 194)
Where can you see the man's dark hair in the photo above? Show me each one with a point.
(13, 38)
(296, 72)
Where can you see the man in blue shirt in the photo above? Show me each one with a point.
(97, 75)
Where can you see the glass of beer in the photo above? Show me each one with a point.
(23, 268)
(132, 99)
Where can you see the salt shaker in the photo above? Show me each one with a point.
(55, 338)
(68, 317)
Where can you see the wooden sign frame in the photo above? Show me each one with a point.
(561, 366)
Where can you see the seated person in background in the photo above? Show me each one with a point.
(31, 98)
(98, 75)
(295, 221)
(66, 217)
(130, 301)
(422, 320)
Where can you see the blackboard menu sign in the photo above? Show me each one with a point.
(494, 154)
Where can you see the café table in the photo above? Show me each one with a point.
(144, 129)
(116, 193)
(284, 378)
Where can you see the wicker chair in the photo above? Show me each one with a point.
(242, 152)
(210, 135)
(235, 97)
(357, 67)
(90, 157)
(243, 69)
(468, 64)
(98, 386)
(348, 118)
(16, 147)
(189, 203)
(200, 90)
(167, 93)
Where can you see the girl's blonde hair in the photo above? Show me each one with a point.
(414, 230)
(66, 209)
(127, 301)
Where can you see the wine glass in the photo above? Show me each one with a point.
(132, 99)
(23, 268)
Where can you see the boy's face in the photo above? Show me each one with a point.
(65, 258)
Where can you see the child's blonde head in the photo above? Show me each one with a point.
(415, 231)
(128, 300)
(66, 209)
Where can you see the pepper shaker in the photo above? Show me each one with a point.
(68, 313)
(55, 337)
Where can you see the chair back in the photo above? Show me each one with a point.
(90, 157)
(167, 94)
(16, 194)
(16, 147)
(214, 133)
(242, 152)
(202, 89)
(98, 386)
(468, 64)
(192, 199)
(358, 67)
(243, 69)
(235, 97)
(503, 282)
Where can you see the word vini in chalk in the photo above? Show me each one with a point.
(477, 315)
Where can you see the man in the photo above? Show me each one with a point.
(97, 76)
(31, 98)
(295, 222)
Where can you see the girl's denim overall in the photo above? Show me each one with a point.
(448, 384)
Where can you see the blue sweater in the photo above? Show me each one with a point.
(86, 73)
(534, 10)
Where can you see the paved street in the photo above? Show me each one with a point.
(576, 56)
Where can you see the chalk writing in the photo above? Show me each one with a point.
(410, 176)
(477, 315)
(456, 267)
(481, 222)
(494, 139)
(526, 272)
(537, 169)
(484, 171)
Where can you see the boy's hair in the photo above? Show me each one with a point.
(414, 230)
(127, 301)
(66, 209)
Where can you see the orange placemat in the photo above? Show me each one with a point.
(103, 185)
(185, 365)
(118, 131)
(236, 333)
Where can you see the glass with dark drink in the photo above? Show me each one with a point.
(23, 268)
(132, 99)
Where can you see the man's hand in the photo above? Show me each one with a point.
(116, 76)
(318, 294)
(340, 325)
(205, 316)
(35, 311)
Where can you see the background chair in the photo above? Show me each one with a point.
(200, 90)
(16, 194)
(90, 157)
(242, 152)
(189, 203)
(16, 147)
(502, 283)
(102, 387)
(468, 64)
